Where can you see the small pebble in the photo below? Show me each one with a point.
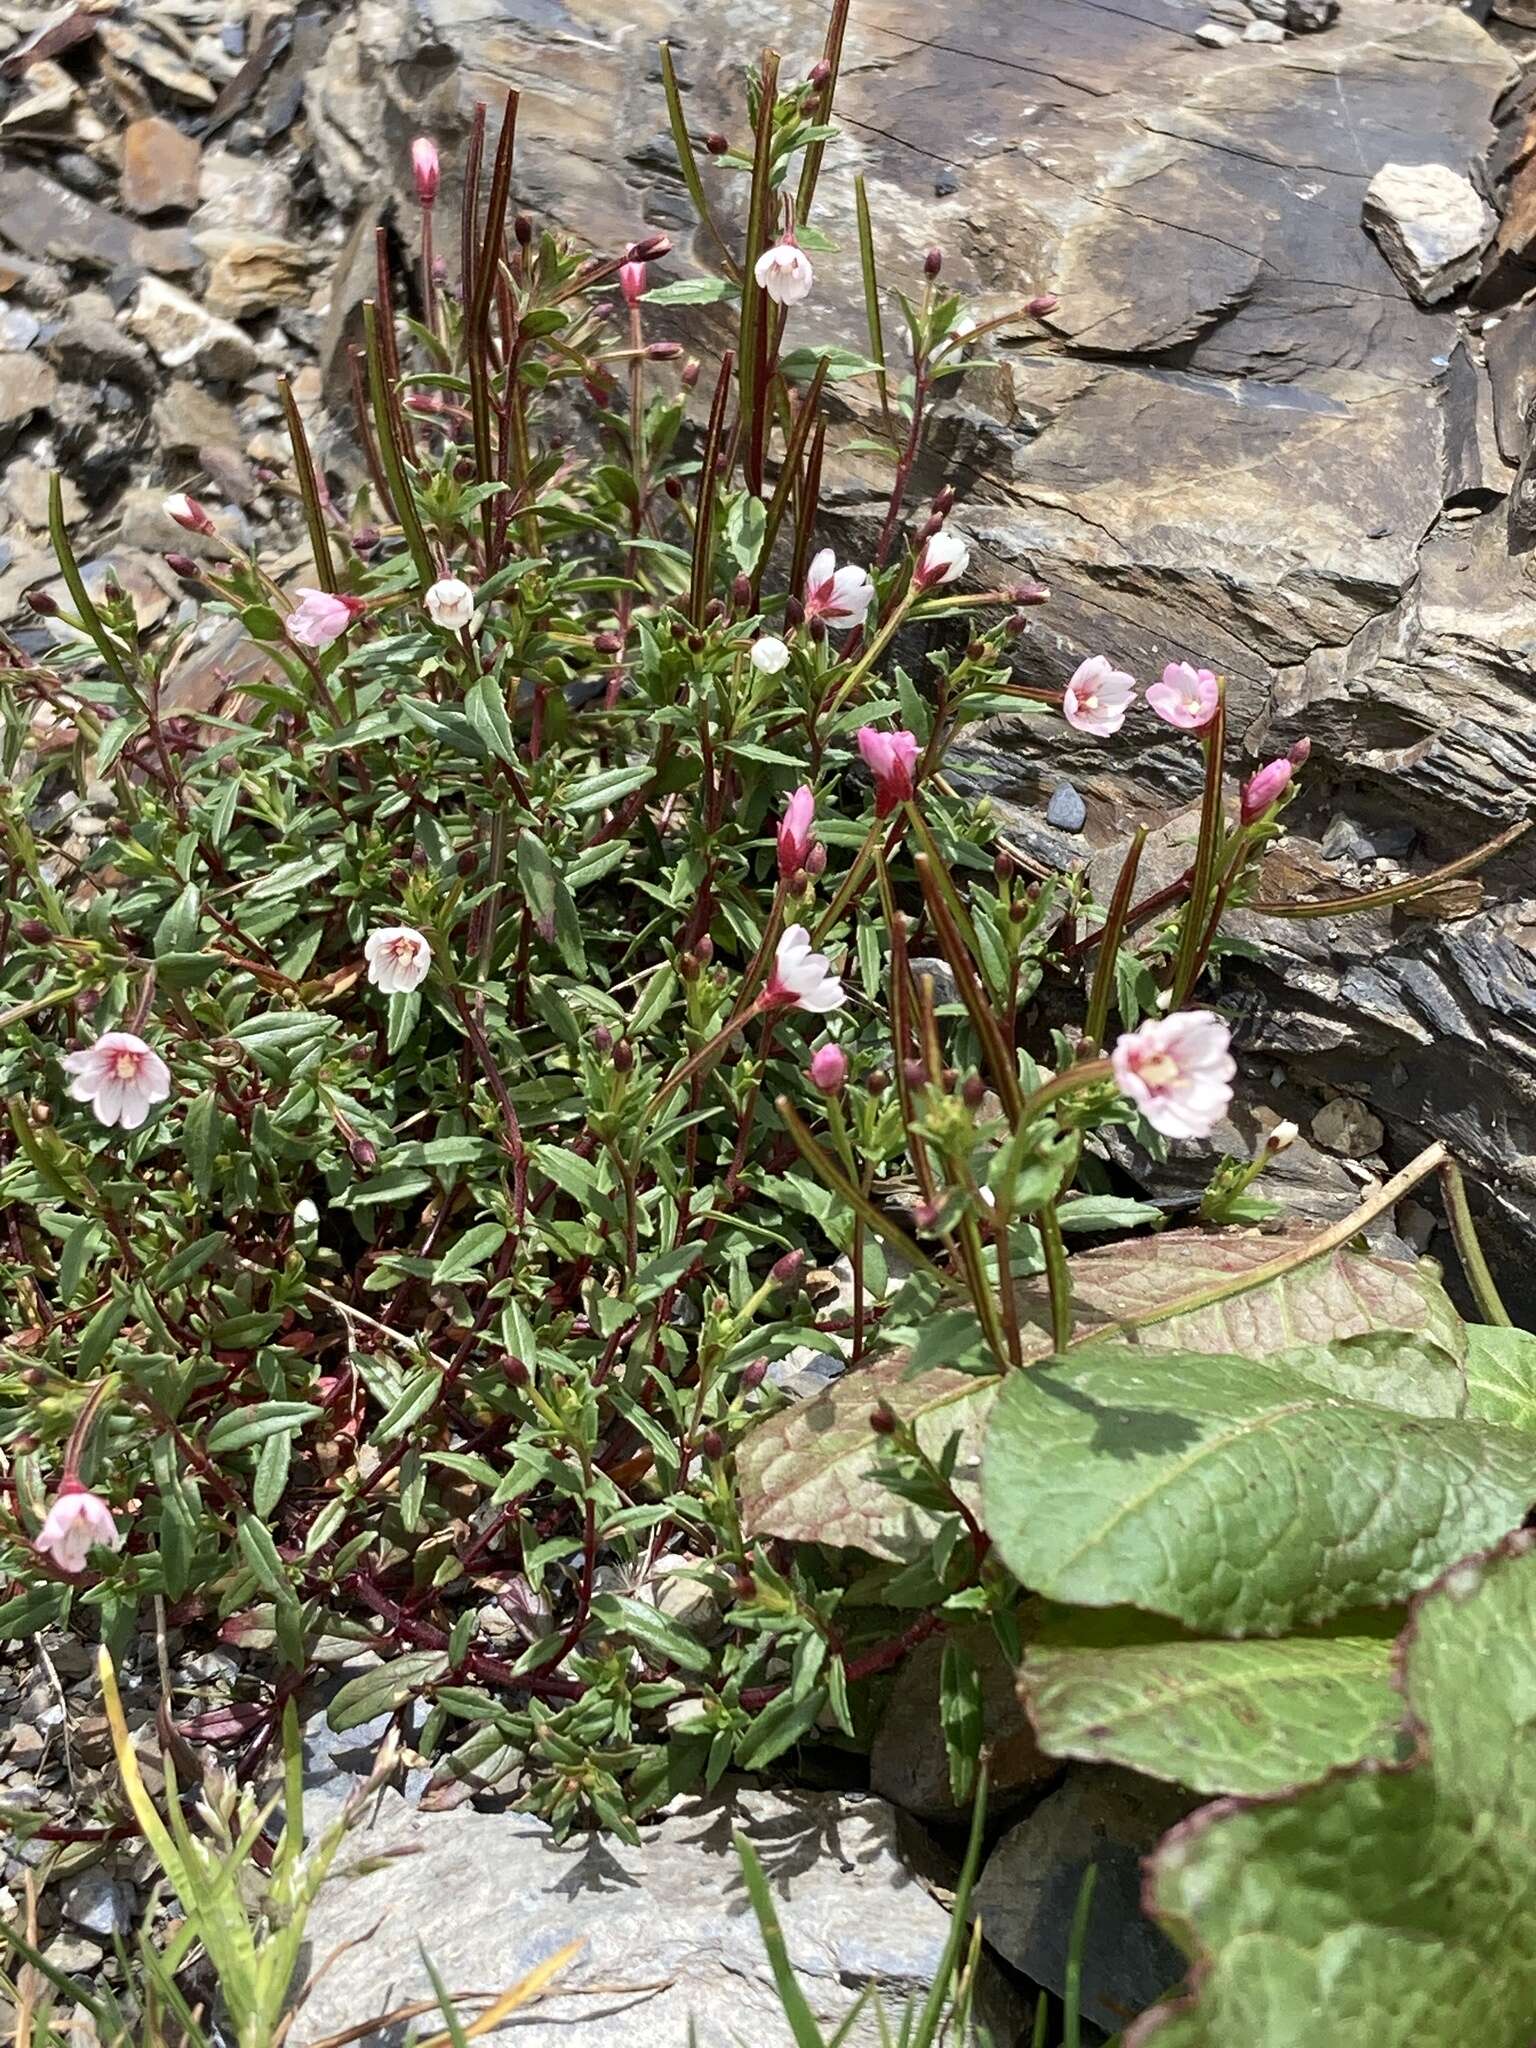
(98, 1905)
(945, 182)
(1066, 809)
(1263, 32)
(1217, 35)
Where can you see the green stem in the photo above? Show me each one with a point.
(1109, 941)
(1058, 1275)
(1192, 931)
(1473, 1263)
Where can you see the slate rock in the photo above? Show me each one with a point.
(45, 219)
(1066, 809)
(1264, 32)
(185, 335)
(1109, 1819)
(1348, 1127)
(1432, 224)
(160, 166)
(909, 1763)
(250, 273)
(667, 1931)
(98, 1904)
(1307, 17)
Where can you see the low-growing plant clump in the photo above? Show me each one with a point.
(511, 1027)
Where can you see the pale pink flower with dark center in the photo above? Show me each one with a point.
(1265, 788)
(1098, 697)
(840, 597)
(120, 1077)
(320, 616)
(797, 832)
(1178, 1071)
(801, 979)
(784, 272)
(890, 758)
(398, 958)
(76, 1523)
(945, 556)
(1186, 697)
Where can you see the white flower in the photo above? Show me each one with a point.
(769, 655)
(1282, 1137)
(840, 596)
(74, 1525)
(801, 979)
(120, 1077)
(1178, 1071)
(1098, 697)
(187, 512)
(945, 556)
(398, 959)
(785, 273)
(450, 604)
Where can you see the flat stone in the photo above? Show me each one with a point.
(1100, 1817)
(1432, 224)
(97, 1904)
(1066, 809)
(909, 1764)
(252, 273)
(666, 1927)
(185, 335)
(25, 485)
(27, 385)
(250, 195)
(160, 166)
(86, 345)
(45, 219)
(188, 418)
(1264, 32)
(1307, 17)
(1217, 35)
(1348, 1127)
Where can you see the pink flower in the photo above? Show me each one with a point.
(320, 616)
(797, 832)
(120, 1077)
(829, 1069)
(1098, 697)
(398, 958)
(1178, 1071)
(785, 273)
(74, 1525)
(1265, 788)
(425, 168)
(801, 979)
(890, 757)
(841, 597)
(187, 512)
(1186, 697)
(945, 556)
(633, 279)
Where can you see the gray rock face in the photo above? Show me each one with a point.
(909, 1764)
(1432, 225)
(667, 1929)
(1107, 1819)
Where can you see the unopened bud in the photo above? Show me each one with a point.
(467, 862)
(716, 143)
(364, 1154)
(741, 591)
(33, 930)
(975, 650)
(1028, 593)
(1015, 624)
(112, 591)
(754, 1375)
(623, 1057)
(522, 228)
(815, 859)
(1300, 753)
(514, 1372)
(41, 1112)
(663, 351)
(974, 1091)
(181, 565)
(705, 949)
(789, 1271)
(714, 611)
(425, 168)
(944, 499)
(690, 374)
(933, 263)
(1282, 1137)
(877, 1082)
(1041, 304)
(633, 279)
(673, 488)
(40, 602)
(794, 613)
(602, 1041)
(608, 643)
(688, 966)
(712, 1444)
(648, 249)
(819, 72)
(916, 1073)
(187, 512)
(883, 1421)
(1003, 866)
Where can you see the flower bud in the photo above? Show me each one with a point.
(602, 1041)
(705, 949)
(933, 263)
(623, 1057)
(112, 591)
(663, 351)
(181, 565)
(522, 228)
(1281, 1138)
(882, 1420)
(1265, 789)
(877, 1082)
(364, 1154)
(648, 249)
(819, 72)
(754, 1375)
(1028, 593)
(1300, 753)
(716, 143)
(425, 168)
(34, 930)
(673, 488)
(916, 1073)
(187, 512)
(514, 1372)
(974, 1091)
(816, 860)
(688, 966)
(1003, 866)
(608, 643)
(741, 591)
(1015, 624)
(40, 602)
(944, 500)
(794, 613)
(690, 377)
(829, 1069)
(789, 1271)
(712, 1444)
(1041, 304)
(633, 279)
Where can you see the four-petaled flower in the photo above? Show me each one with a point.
(321, 616)
(1098, 697)
(769, 656)
(890, 757)
(1265, 788)
(945, 556)
(801, 979)
(120, 1077)
(840, 597)
(1186, 697)
(784, 272)
(74, 1525)
(797, 832)
(1178, 1071)
(450, 604)
(398, 959)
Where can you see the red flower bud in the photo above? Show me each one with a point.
(40, 602)
(425, 168)
(789, 1271)
(717, 144)
(648, 249)
(933, 263)
(882, 1420)
(663, 351)
(1041, 304)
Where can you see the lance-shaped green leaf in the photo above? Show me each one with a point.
(1234, 1496)
(807, 1473)
(1251, 1717)
(1383, 1906)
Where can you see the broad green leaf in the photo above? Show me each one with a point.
(378, 1692)
(467, 1254)
(1501, 1375)
(647, 1626)
(1382, 1907)
(807, 1473)
(1250, 1717)
(1234, 1496)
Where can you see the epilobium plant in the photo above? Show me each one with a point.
(486, 1031)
